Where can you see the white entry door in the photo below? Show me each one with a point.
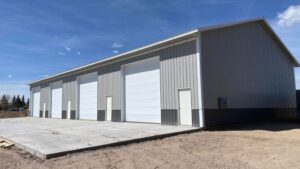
(108, 108)
(185, 107)
(36, 104)
(88, 96)
(69, 110)
(142, 91)
(44, 109)
(56, 102)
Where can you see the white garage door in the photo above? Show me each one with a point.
(56, 100)
(36, 104)
(88, 96)
(142, 91)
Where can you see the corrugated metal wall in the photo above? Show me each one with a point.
(44, 98)
(69, 93)
(246, 66)
(109, 84)
(177, 69)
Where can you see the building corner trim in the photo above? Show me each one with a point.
(199, 80)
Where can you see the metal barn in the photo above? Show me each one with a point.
(206, 77)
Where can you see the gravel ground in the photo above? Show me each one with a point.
(271, 145)
(11, 114)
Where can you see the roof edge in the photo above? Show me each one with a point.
(279, 41)
(192, 32)
(168, 40)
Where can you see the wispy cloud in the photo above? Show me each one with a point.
(117, 45)
(78, 53)
(289, 17)
(68, 48)
(61, 53)
(9, 76)
(115, 51)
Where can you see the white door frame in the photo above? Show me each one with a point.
(55, 85)
(108, 118)
(35, 90)
(44, 109)
(123, 84)
(68, 114)
(179, 112)
(78, 82)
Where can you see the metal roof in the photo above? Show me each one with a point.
(179, 37)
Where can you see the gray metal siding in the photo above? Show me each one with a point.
(109, 84)
(44, 98)
(245, 65)
(178, 71)
(69, 93)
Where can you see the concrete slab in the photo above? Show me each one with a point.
(47, 138)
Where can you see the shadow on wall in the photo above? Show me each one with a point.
(274, 126)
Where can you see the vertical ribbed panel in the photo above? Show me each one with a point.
(109, 84)
(245, 65)
(44, 98)
(69, 93)
(178, 71)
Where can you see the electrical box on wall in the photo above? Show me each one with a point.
(222, 102)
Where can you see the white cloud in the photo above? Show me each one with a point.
(68, 48)
(9, 76)
(61, 53)
(117, 45)
(78, 53)
(115, 51)
(289, 17)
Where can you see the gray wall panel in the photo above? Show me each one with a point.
(44, 98)
(245, 65)
(178, 71)
(109, 84)
(69, 93)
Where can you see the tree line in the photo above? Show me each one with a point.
(14, 103)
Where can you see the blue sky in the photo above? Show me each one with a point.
(42, 38)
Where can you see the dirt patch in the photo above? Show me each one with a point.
(11, 114)
(247, 147)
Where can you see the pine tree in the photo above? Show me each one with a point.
(23, 101)
(27, 104)
(4, 102)
(13, 102)
(18, 102)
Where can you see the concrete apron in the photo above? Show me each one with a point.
(48, 138)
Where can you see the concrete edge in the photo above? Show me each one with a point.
(138, 140)
(27, 149)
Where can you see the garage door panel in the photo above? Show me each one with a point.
(88, 97)
(142, 91)
(56, 102)
(36, 104)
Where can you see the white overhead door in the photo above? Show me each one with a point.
(56, 100)
(142, 91)
(36, 104)
(88, 96)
